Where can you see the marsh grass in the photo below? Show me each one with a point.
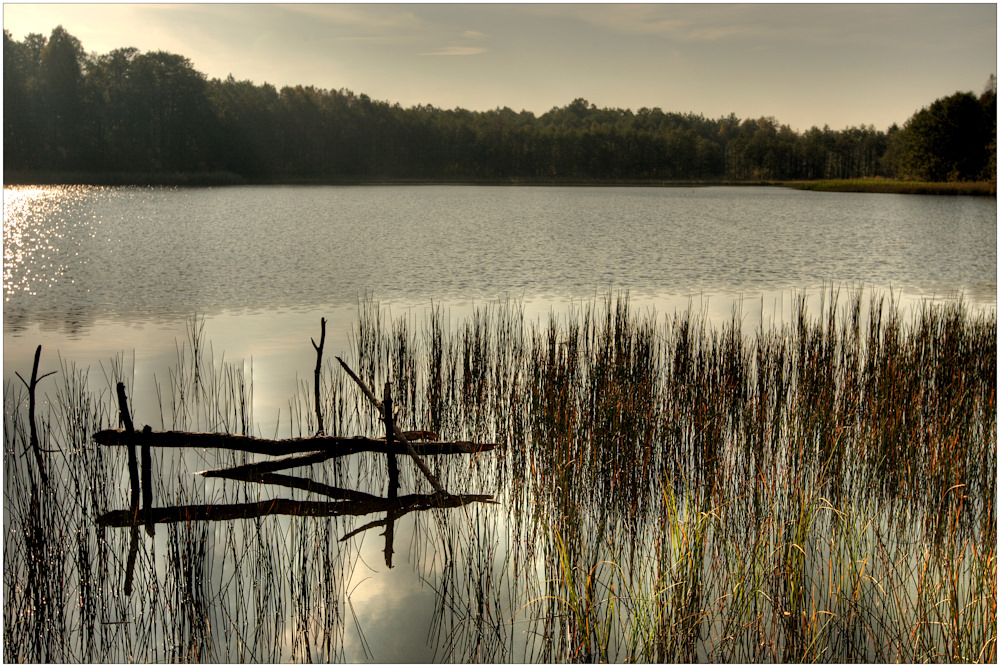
(818, 490)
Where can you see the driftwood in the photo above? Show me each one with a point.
(333, 445)
(288, 507)
(295, 452)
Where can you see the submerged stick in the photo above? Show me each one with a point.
(133, 551)
(319, 366)
(398, 433)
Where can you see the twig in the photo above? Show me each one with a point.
(32, 429)
(319, 365)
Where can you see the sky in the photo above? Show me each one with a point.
(840, 65)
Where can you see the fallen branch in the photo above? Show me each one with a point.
(288, 507)
(376, 446)
(292, 482)
(334, 445)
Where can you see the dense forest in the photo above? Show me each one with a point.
(127, 112)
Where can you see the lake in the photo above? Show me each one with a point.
(92, 271)
(111, 279)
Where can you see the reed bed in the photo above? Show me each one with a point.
(819, 490)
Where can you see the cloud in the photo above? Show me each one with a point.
(380, 18)
(473, 34)
(682, 23)
(457, 51)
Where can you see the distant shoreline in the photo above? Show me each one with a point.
(972, 188)
(978, 188)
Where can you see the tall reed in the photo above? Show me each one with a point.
(822, 489)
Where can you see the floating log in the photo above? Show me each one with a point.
(338, 446)
(288, 507)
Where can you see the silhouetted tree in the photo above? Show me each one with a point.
(135, 113)
(947, 141)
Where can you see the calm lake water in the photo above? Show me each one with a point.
(90, 272)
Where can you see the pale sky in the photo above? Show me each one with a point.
(805, 64)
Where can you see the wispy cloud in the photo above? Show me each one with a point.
(457, 51)
(380, 18)
(701, 23)
(473, 34)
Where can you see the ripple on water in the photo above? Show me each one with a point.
(177, 251)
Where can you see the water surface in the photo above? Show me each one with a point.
(92, 272)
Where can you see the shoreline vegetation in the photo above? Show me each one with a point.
(221, 178)
(885, 186)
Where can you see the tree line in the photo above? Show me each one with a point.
(128, 112)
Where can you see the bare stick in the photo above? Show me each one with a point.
(133, 476)
(147, 482)
(398, 433)
(262, 467)
(319, 366)
(133, 551)
(390, 517)
(303, 483)
(32, 429)
(390, 456)
(133, 464)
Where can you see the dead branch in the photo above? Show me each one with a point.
(319, 366)
(292, 482)
(333, 445)
(288, 507)
(396, 431)
(32, 429)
